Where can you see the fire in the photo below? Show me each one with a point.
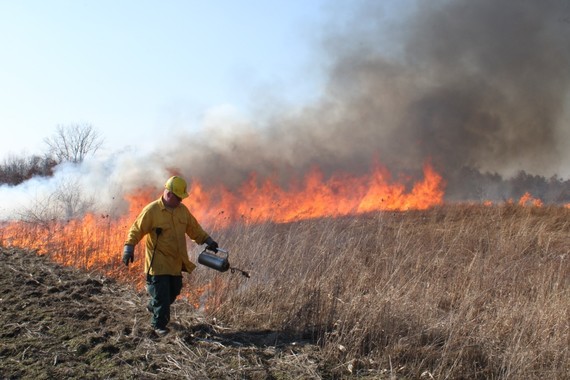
(95, 242)
(528, 199)
(314, 197)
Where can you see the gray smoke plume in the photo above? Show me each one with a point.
(477, 84)
(499, 74)
(480, 88)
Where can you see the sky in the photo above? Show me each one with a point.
(139, 70)
(218, 90)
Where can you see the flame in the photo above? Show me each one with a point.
(527, 199)
(340, 195)
(95, 242)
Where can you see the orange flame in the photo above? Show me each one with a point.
(95, 242)
(314, 197)
(528, 199)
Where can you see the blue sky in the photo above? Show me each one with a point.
(138, 69)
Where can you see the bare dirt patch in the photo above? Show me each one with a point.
(60, 322)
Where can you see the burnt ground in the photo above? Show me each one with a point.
(60, 322)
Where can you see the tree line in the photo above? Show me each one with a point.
(69, 143)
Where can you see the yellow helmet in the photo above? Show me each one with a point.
(177, 185)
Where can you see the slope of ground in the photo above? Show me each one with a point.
(455, 292)
(60, 322)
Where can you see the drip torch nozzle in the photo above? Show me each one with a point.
(244, 273)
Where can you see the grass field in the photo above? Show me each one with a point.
(457, 292)
(454, 292)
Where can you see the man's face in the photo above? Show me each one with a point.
(170, 199)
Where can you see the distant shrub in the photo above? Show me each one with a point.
(15, 170)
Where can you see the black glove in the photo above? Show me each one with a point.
(211, 244)
(128, 254)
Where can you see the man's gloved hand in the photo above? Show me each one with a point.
(128, 254)
(211, 244)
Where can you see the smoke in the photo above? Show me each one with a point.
(96, 185)
(480, 88)
(500, 79)
(466, 84)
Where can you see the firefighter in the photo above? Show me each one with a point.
(165, 222)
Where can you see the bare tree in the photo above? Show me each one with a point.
(74, 142)
(67, 201)
(70, 199)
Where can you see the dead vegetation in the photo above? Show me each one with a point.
(61, 322)
(457, 292)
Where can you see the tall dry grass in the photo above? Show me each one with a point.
(454, 292)
(460, 291)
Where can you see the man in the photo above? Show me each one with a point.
(165, 222)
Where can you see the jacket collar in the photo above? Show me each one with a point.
(163, 206)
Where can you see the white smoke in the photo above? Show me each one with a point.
(95, 185)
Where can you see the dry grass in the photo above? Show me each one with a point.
(457, 292)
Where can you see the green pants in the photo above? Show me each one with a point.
(163, 290)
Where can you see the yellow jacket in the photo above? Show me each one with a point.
(171, 254)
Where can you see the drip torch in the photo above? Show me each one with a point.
(218, 262)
